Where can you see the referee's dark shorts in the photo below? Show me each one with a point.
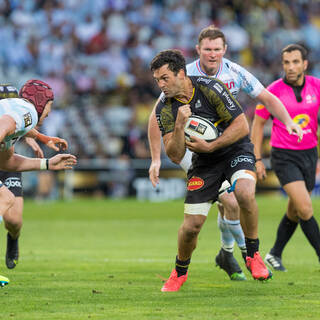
(295, 165)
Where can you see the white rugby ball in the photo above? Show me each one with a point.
(201, 128)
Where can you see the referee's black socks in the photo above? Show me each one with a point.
(311, 230)
(285, 230)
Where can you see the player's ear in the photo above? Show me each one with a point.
(305, 65)
(198, 49)
(181, 73)
(225, 48)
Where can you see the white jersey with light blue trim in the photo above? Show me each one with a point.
(235, 77)
(25, 116)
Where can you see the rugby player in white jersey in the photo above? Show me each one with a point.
(211, 48)
(18, 118)
(13, 181)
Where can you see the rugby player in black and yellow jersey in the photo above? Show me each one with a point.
(229, 157)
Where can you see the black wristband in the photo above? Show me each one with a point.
(259, 159)
(47, 164)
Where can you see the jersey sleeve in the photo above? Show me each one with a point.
(17, 117)
(262, 111)
(227, 107)
(164, 117)
(248, 82)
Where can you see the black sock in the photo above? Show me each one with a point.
(252, 246)
(285, 230)
(311, 230)
(182, 266)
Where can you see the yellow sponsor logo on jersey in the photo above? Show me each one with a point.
(302, 120)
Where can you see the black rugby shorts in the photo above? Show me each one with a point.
(13, 181)
(295, 165)
(205, 179)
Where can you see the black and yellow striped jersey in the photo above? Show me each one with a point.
(211, 99)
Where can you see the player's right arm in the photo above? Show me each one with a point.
(277, 109)
(257, 138)
(13, 162)
(252, 86)
(174, 142)
(154, 137)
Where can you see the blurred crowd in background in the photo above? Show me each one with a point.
(96, 54)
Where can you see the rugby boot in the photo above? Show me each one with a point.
(257, 268)
(174, 282)
(12, 254)
(4, 281)
(274, 262)
(226, 261)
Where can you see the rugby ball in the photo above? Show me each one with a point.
(201, 128)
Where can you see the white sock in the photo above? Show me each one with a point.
(237, 233)
(227, 239)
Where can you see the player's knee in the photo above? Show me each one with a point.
(246, 200)
(305, 211)
(12, 222)
(231, 209)
(191, 230)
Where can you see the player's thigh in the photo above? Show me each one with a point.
(6, 199)
(245, 190)
(300, 200)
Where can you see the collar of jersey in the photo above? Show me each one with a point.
(189, 99)
(203, 73)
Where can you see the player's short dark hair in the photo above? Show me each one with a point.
(173, 58)
(293, 47)
(212, 33)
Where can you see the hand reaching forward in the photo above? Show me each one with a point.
(62, 162)
(57, 144)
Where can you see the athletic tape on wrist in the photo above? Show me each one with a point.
(44, 164)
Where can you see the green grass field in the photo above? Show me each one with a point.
(102, 259)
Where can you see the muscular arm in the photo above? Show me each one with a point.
(154, 137)
(238, 129)
(10, 161)
(277, 109)
(174, 142)
(17, 163)
(7, 126)
(257, 138)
